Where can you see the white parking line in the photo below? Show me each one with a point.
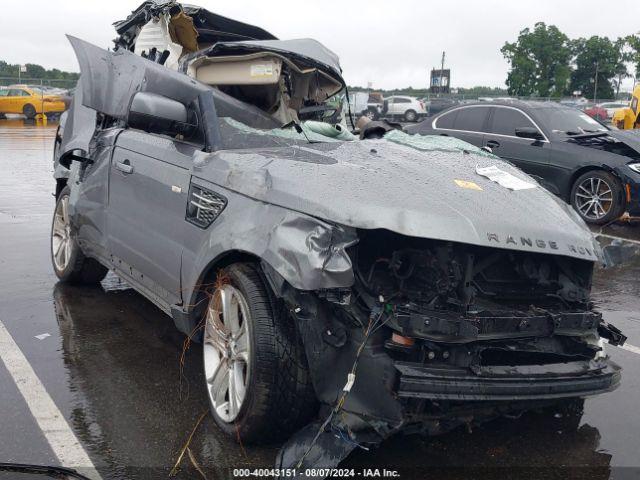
(56, 430)
(630, 348)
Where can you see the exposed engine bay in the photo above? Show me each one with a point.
(607, 143)
(435, 334)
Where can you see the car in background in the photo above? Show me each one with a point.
(584, 162)
(363, 103)
(400, 107)
(596, 111)
(29, 101)
(612, 107)
(436, 105)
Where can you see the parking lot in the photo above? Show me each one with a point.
(115, 368)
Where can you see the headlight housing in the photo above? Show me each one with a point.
(634, 166)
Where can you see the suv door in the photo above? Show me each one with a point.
(530, 155)
(466, 123)
(148, 190)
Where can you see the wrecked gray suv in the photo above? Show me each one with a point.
(345, 290)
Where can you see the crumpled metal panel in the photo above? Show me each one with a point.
(309, 253)
(211, 27)
(78, 126)
(381, 184)
(110, 79)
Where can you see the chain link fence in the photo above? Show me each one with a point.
(43, 82)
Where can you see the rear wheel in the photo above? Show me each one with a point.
(29, 111)
(256, 374)
(598, 197)
(410, 115)
(69, 263)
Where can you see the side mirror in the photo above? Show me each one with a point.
(158, 114)
(529, 132)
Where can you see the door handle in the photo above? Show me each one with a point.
(125, 167)
(493, 144)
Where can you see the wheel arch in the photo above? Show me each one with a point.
(188, 319)
(581, 171)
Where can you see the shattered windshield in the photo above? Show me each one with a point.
(434, 143)
(238, 135)
(569, 121)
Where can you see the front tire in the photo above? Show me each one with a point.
(598, 197)
(256, 374)
(29, 111)
(69, 263)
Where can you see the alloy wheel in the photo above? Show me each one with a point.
(61, 241)
(227, 351)
(594, 198)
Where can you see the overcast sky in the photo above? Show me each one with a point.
(391, 43)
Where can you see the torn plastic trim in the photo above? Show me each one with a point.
(613, 334)
(509, 383)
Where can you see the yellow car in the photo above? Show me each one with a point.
(29, 101)
(628, 117)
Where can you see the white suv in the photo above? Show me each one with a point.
(409, 109)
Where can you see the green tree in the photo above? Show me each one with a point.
(621, 70)
(633, 41)
(539, 62)
(595, 55)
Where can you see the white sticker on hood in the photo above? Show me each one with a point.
(503, 178)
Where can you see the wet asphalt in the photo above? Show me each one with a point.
(117, 370)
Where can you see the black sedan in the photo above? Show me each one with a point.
(589, 165)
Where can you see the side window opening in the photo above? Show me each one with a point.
(447, 120)
(506, 120)
(471, 119)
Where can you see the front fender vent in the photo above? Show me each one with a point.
(204, 206)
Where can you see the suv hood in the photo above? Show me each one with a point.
(379, 184)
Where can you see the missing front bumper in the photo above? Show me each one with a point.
(508, 383)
